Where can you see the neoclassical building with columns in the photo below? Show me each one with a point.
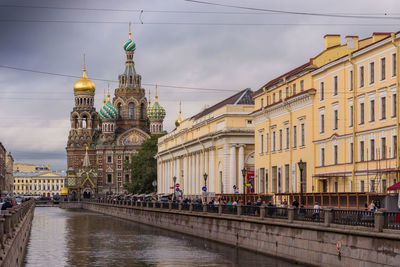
(218, 141)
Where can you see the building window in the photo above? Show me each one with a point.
(383, 108)
(301, 85)
(371, 72)
(266, 142)
(109, 178)
(321, 91)
(362, 113)
(372, 149)
(119, 108)
(261, 143)
(280, 140)
(126, 178)
(394, 105)
(351, 149)
(287, 138)
(322, 128)
(109, 159)
(335, 187)
(335, 85)
(351, 80)
(383, 148)
(322, 156)
(361, 77)
(372, 110)
(262, 102)
(294, 89)
(131, 110)
(273, 141)
(335, 119)
(280, 95)
(294, 136)
(267, 100)
(273, 98)
(394, 65)
(335, 154)
(351, 116)
(362, 186)
(287, 91)
(383, 69)
(303, 134)
(394, 152)
(361, 150)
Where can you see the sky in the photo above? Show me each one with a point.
(179, 43)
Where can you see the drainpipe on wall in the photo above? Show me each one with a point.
(354, 82)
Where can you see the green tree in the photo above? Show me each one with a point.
(144, 167)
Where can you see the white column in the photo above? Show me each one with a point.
(185, 175)
(211, 172)
(232, 163)
(226, 171)
(196, 173)
(178, 171)
(241, 166)
(193, 172)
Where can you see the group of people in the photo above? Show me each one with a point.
(373, 206)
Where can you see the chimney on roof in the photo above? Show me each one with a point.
(331, 40)
(352, 42)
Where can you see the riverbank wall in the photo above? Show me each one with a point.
(306, 243)
(15, 228)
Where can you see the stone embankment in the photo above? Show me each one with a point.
(321, 243)
(15, 227)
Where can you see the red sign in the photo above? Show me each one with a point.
(171, 187)
(177, 185)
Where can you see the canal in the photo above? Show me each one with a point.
(82, 238)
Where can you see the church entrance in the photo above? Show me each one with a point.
(86, 194)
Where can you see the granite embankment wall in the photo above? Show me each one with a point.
(302, 242)
(15, 228)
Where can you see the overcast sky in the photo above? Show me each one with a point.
(35, 108)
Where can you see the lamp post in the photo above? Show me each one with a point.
(301, 165)
(205, 184)
(244, 185)
(173, 190)
(154, 184)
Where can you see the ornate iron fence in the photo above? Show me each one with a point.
(212, 208)
(353, 217)
(229, 209)
(392, 220)
(276, 212)
(251, 210)
(308, 214)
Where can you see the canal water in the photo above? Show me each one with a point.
(82, 238)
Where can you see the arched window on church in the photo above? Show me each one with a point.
(76, 122)
(130, 79)
(119, 107)
(123, 79)
(142, 111)
(84, 122)
(131, 110)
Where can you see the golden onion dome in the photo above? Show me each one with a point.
(84, 85)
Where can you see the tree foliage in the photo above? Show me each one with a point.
(144, 167)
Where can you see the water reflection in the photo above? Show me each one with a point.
(81, 238)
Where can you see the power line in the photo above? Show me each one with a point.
(291, 12)
(195, 23)
(115, 81)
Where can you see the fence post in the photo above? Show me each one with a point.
(262, 212)
(328, 217)
(170, 205)
(219, 209)
(379, 220)
(239, 209)
(191, 207)
(290, 214)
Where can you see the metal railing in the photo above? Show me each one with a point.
(276, 212)
(212, 208)
(185, 206)
(308, 214)
(392, 220)
(353, 217)
(228, 209)
(197, 207)
(251, 210)
(174, 206)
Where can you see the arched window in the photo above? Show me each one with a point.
(123, 79)
(119, 107)
(131, 110)
(130, 79)
(84, 122)
(76, 122)
(142, 111)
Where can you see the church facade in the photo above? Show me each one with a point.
(107, 139)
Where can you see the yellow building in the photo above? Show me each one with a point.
(338, 114)
(39, 184)
(22, 167)
(219, 142)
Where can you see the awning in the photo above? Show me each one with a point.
(394, 187)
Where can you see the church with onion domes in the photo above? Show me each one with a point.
(100, 143)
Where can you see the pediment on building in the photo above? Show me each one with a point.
(132, 137)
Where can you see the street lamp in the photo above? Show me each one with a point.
(205, 184)
(244, 185)
(301, 165)
(173, 190)
(154, 184)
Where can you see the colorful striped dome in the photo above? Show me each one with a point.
(108, 111)
(156, 112)
(130, 46)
